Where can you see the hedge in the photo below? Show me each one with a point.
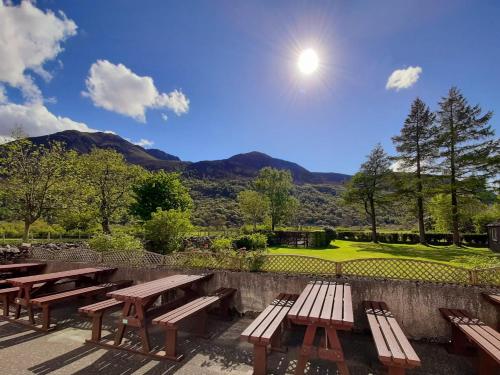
(468, 239)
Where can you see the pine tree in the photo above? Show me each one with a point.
(370, 186)
(416, 151)
(467, 149)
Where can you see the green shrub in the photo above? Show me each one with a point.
(109, 242)
(223, 244)
(255, 241)
(166, 230)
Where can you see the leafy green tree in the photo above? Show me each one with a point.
(276, 185)
(416, 151)
(254, 207)
(33, 179)
(487, 216)
(107, 180)
(160, 190)
(167, 229)
(467, 149)
(369, 187)
(441, 212)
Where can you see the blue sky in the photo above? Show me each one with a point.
(233, 65)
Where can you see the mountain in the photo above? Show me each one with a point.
(239, 166)
(248, 165)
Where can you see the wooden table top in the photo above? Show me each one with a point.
(493, 298)
(30, 280)
(155, 287)
(324, 303)
(19, 266)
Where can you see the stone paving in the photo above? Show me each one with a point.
(23, 351)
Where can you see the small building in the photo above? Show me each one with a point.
(494, 236)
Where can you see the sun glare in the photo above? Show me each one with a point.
(308, 61)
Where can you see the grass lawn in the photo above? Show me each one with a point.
(340, 250)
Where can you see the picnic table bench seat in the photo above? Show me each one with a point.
(467, 330)
(8, 294)
(45, 302)
(393, 348)
(96, 312)
(267, 330)
(196, 308)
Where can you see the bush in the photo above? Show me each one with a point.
(119, 242)
(221, 245)
(166, 230)
(255, 241)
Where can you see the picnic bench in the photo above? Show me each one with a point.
(467, 330)
(393, 348)
(267, 329)
(34, 286)
(16, 269)
(96, 312)
(46, 302)
(7, 296)
(323, 305)
(194, 310)
(138, 306)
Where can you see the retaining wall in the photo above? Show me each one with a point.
(414, 304)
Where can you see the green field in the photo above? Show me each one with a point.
(347, 250)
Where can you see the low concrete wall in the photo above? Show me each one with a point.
(414, 304)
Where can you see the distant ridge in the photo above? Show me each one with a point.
(245, 165)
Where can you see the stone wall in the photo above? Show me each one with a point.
(415, 304)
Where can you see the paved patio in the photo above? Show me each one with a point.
(23, 351)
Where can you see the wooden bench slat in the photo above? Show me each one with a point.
(273, 327)
(99, 306)
(317, 307)
(326, 312)
(257, 334)
(481, 341)
(16, 289)
(348, 312)
(397, 354)
(64, 295)
(308, 303)
(186, 310)
(411, 356)
(383, 350)
(294, 311)
(487, 335)
(338, 304)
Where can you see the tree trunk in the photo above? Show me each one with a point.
(105, 225)
(454, 215)
(26, 232)
(420, 207)
(373, 221)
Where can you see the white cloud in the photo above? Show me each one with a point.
(164, 117)
(3, 95)
(118, 89)
(35, 119)
(5, 139)
(403, 78)
(144, 143)
(29, 37)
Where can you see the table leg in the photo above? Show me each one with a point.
(306, 349)
(334, 350)
(122, 326)
(143, 329)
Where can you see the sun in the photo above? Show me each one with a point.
(308, 61)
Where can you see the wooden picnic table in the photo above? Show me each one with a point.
(27, 289)
(20, 267)
(139, 300)
(324, 305)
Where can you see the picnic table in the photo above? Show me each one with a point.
(20, 268)
(139, 301)
(31, 286)
(323, 305)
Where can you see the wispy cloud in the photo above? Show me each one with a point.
(116, 88)
(403, 78)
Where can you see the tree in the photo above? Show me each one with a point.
(416, 149)
(370, 186)
(167, 229)
(254, 207)
(467, 149)
(160, 190)
(33, 179)
(441, 209)
(107, 179)
(276, 185)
